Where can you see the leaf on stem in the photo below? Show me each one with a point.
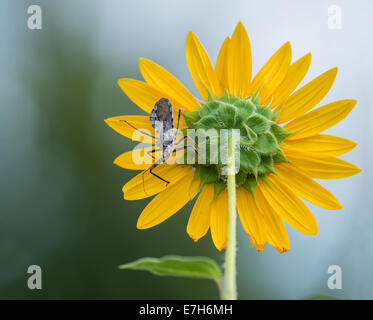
(190, 267)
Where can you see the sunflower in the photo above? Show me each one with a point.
(282, 146)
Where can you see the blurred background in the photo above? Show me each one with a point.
(61, 200)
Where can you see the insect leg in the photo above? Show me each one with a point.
(187, 137)
(181, 139)
(143, 132)
(178, 122)
(150, 169)
(152, 151)
(179, 148)
(184, 137)
(154, 174)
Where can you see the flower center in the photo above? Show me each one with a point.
(259, 137)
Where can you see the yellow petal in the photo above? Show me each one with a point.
(288, 206)
(145, 184)
(251, 218)
(293, 78)
(323, 144)
(257, 245)
(137, 159)
(308, 96)
(272, 73)
(201, 69)
(275, 228)
(221, 67)
(124, 125)
(165, 82)
(321, 167)
(319, 119)
(168, 202)
(199, 220)
(140, 93)
(219, 221)
(306, 187)
(239, 62)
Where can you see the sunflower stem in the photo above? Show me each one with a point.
(229, 284)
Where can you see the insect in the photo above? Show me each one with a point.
(162, 120)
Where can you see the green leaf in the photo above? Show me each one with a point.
(256, 97)
(208, 108)
(265, 111)
(279, 157)
(249, 160)
(210, 95)
(276, 113)
(189, 267)
(209, 122)
(227, 114)
(208, 174)
(251, 184)
(219, 187)
(279, 132)
(240, 177)
(266, 165)
(228, 98)
(196, 174)
(245, 110)
(248, 134)
(258, 123)
(266, 144)
(191, 118)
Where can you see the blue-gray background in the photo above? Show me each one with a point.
(61, 200)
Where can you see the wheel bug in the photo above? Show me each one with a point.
(161, 119)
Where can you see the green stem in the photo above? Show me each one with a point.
(229, 284)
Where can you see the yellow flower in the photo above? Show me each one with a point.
(307, 154)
